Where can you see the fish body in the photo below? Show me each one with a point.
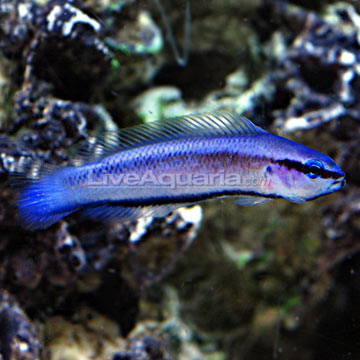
(153, 169)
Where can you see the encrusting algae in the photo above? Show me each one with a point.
(268, 281)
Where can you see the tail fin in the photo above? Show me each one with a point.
(43, 198)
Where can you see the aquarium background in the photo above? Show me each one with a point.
(220, 281)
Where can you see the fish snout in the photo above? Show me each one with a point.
(339, 183)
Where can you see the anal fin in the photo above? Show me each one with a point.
(108, 211)
(245, 200)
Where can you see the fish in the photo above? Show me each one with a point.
(152, 169)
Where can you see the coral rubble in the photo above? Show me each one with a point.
(255, 279)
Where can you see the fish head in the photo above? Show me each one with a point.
(305, 174)
(320, 176)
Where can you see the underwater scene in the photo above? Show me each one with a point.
(180, 180)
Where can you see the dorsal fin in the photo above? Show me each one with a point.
(185, 127)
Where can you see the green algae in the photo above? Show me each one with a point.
(253, 272)
(143, 39)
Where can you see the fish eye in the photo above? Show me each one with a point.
(313, 168)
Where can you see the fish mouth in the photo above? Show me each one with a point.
(339, 183)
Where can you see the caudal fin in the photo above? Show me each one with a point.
(40, 205)
(43, 199)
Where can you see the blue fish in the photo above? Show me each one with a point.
(155, 168)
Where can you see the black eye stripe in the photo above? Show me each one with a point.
(305, 169)
(313, 169)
